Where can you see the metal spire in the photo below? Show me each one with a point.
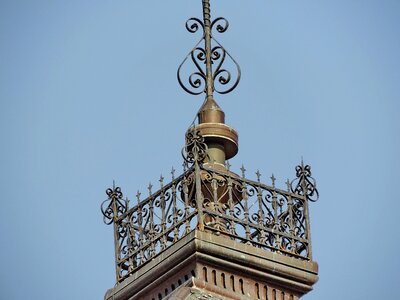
(205, 78)
(211, 75)
(207, 45)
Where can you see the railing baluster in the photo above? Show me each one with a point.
(231, 206)
(163, 215)
(290, 222)
(216, 205)
(199, 197)
(246, 212)
(117, 224)
(151, 222)
(304, 186)
(140, 228)
(185, 190)
(261, 236)
(129, 243)
(276, 223)
(174, 213)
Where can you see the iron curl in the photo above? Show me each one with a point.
(193, 24)
(221, 24)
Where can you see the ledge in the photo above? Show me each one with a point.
(203, 248)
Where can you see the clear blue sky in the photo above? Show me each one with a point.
(88, 94)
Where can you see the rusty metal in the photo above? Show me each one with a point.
(214, 200)
(221, 134)
(204, 57)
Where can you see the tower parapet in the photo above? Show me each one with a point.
(253, 219)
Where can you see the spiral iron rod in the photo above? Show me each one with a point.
(207, 44)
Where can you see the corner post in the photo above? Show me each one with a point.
(113, 208)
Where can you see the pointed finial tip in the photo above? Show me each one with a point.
(243, 171)
(288, 184)
(258, 174)
(173, 172)
(273, 179)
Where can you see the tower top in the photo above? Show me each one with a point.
(209, 232)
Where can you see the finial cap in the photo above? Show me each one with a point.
(210, 112)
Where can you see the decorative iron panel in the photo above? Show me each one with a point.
(208, 199)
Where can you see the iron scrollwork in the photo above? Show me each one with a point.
(304, 184)
(195, 149)
(114, 206)
(221, 78)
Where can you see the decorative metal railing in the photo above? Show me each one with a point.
(212, 200)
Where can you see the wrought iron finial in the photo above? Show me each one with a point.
(161, 180)
(273, 179)
(258, 174)
(206, 79)
(138, 194)
(173, 173)
(243, 171)
(304, 184)
(195, 149)
(114, 206)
